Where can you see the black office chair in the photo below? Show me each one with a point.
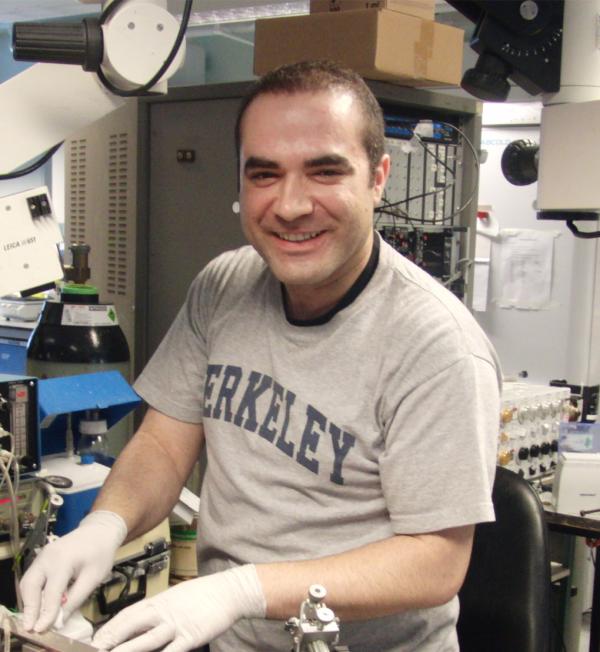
(505, 599)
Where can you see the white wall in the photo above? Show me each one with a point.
(555, 342)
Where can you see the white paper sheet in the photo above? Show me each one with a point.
(481, 279)
(487, 228)
(526, 268)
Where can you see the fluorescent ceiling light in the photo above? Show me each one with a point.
(249, 13)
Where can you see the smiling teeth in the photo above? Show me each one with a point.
(298, 237)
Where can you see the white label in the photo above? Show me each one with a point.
(88, 315)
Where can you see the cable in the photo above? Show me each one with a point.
(36, 165)
(444, 220)
(448, 186)
(392, 209)
(422, 196)
(143, 90)
(14, 525)
(434, 156)
(473, 192)
(110, 10)
(385, 209)
(6, 433)
(588, 235)
(460, 274)
(395, 214)
(391, 205)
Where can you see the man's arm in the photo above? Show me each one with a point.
(148, 476)
(389, 576)
(381, 578)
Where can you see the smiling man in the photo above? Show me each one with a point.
(348, 404)
(308, 193)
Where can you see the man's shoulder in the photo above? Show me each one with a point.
(244, 257)
(237, 266)
(423, 312)
(413, 284)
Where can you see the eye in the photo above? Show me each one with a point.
(262, 177)
(328, 174)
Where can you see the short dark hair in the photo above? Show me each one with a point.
(322, 75)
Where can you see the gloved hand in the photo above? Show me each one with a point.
(187, 615)
(85, 555)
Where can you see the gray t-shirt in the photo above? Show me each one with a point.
(324, 438)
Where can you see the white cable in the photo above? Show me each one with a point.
(14, 525)
(12, 461)
(14, 521)
(17, 480)
(6, 433)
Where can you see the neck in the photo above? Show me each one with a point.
(304, 304)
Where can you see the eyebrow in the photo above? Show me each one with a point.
(254, 162)
(329, 159)
(257, 162)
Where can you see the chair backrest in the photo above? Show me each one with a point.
(505, 599)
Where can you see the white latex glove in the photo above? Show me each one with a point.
(84, 556)
(187, 615)
(77, 627)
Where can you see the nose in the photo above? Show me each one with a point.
(293, 200)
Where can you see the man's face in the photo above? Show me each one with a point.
(307, 196)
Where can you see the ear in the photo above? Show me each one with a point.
(382, 172)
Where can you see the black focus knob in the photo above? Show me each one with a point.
(534, 451)
(523, 453)
(554, 445)
(75, 43)
(489, 79)
(545, 448)
(520, 162)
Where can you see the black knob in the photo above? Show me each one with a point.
(523, 453)
(543, 468)
(520, 162)
(534, 451)
(74, 43)
(488, 80)
(532, 470)
(554, 445)
(545, 448)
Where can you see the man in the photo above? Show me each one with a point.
(348, 403)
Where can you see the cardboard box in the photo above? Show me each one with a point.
(424, 9)
(377, 43)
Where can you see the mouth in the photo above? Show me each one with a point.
(299, 237)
